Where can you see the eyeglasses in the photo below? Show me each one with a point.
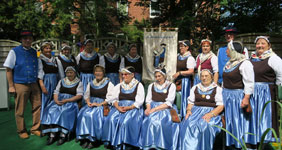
(124, 74)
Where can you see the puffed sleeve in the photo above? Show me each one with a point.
(116, 92)
(247, 72)
(214, 63)
(121, 65)
(110, 95)
(218, 96)
(191, 63)
(171, 95)
(40, 69)
(102, 61)
(77, 58)
(57, 90)
(149, 94)
(10, 61)
(79, 89)
(86, 94)
(140, 96)
(246, 52)
(60, 68)
(191, 98)
(276, 64)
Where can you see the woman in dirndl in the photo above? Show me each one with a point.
(134, 60)
(91, 117)
(185, 70)
(197, 130)
(238, 86)
(47, 74)
(86, 60)
(59, 118)
(158, 130)
(122, 127)
(268, 74)
(206, 60)
(113, 63)
(65, 59)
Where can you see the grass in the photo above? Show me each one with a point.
(11, 141)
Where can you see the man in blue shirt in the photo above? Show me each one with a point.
(230, 34)
(21, 70)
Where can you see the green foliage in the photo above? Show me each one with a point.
(135, 32)
(243, 145)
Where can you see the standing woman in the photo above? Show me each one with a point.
(185, 69)
(113, 63)
(268, 72)
(47, 74)
(238, 85)
(91, 117)
(65, 59)
(204, 107)
(86, 60)
(122, 127)
(206, 60)
(158, 129)
(60, 117)
(134, 60)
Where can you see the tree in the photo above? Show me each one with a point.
(52, 18)
(198, 19)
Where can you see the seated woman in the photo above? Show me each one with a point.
(123, 125)
(204, 106)
(158, 129)
(91, 117)
(60, 115)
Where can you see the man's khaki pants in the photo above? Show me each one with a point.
(23, 93)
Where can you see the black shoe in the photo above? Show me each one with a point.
(50, 140)
(61, 141)
(90, 145)
(85, 144)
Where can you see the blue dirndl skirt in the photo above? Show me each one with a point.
(196, 133)
(158, 130)
(138, 76)
(85, 79)
(90, 121)
(50, 81)
(196, 79)
(123, 128)
(63, 116)
(114, 78)
(237, 121)
(185, 93)
(260, 97)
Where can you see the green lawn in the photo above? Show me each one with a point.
(11, 141)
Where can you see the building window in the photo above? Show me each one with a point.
(154, 9)
(122, 7)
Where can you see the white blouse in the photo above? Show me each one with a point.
(170, 97)
(79, 89)
(139, 98)
(109, 95)
(247, 71)
(218, 96)
(275, 62)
